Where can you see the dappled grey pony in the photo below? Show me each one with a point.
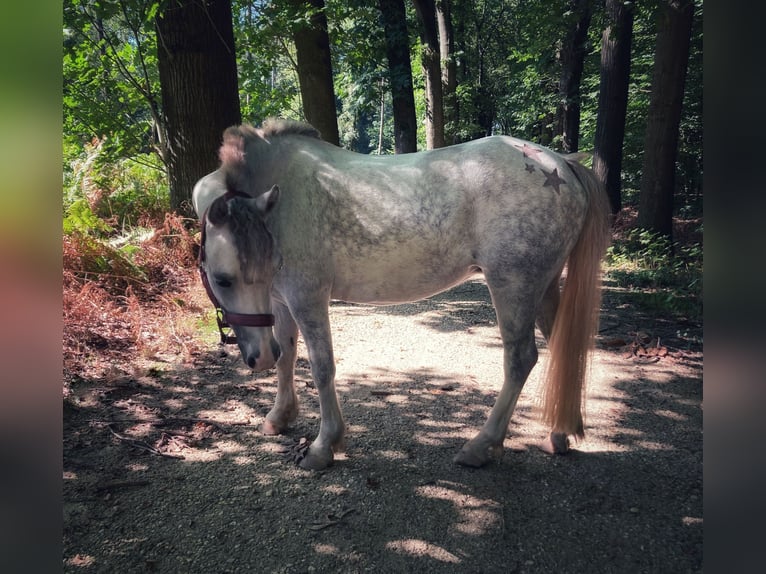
(291, 222)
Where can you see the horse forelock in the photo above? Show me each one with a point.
(252, 239)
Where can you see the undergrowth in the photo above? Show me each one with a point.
(129, 283)
(120, 303)
(658, 274)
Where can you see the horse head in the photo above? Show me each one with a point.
(239, 260)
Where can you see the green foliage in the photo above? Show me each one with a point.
(664, 276)
(111, 82)
(102, 194)
(80, 218)
(507, 68)
(268, 80)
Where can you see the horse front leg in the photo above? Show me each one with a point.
(315, 327)
(285, 408)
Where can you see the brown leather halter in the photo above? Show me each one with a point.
(224, 318)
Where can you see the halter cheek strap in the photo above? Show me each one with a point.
(223, 318)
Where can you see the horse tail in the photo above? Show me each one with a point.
(576, 321)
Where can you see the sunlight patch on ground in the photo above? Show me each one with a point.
(653, 445)
(174, 404)
(440, 424)
(270, 447)
(420, 548)
(477, 516)
(434, 438)
(231, 410)
(181, 390)
(393, 454)
(691, 521)
(430, 439)
(228, 446)
(336, 489)
(81, 561)
(263, 479)
(320, 548)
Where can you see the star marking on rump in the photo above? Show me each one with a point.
(528, 150)
(529, 167)
(553, 180)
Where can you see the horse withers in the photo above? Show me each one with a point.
(291, 222)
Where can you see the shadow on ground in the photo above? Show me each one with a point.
(166, 472)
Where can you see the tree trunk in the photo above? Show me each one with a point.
(400, 75)
(613, 98)
(200, 95)
(448, 68)
(312, 45)
(432, 70)
(572, 57)
(655, 209)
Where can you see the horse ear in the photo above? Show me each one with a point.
(266, 201)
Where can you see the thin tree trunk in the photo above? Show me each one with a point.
(312, 44)
(200, 95)
(400, 75)
(613, 98)
(448, 68)
(572, 58)
(432, 70)
(382, 118)
(655, 209)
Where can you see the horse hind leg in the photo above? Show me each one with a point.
(557, 442)
(520, 355)
(549, 307)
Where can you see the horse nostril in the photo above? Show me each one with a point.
(253, 358)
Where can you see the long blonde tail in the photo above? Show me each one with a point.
(576, 322)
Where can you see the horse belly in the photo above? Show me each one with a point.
(401, 273)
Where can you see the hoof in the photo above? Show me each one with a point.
(316, 461)
(271, 428)
(556, 443)
(477, 457)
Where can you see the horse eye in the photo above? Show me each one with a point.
(223, 283)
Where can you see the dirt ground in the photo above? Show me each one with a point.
(165, 470)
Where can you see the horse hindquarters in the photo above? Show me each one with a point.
(569, 322)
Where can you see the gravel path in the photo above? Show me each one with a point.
(165, 471)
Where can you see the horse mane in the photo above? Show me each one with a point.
(252, 240)
(237, 171)
(274, 127)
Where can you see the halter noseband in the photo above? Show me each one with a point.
(225, 319)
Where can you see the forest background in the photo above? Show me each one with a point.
(31, 114)
(149, 87)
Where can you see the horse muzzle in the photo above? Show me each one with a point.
(262, 357)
